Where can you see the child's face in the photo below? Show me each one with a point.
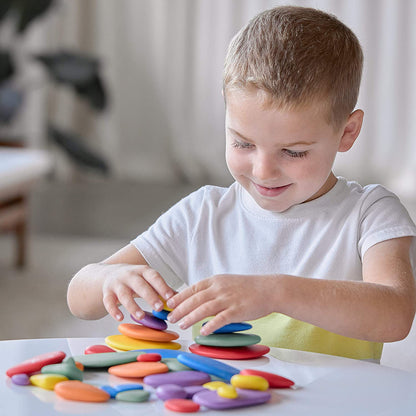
(281, 157)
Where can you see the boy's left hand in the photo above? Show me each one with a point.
(228, 298)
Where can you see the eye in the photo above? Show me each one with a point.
(292, 153)
(242, 145)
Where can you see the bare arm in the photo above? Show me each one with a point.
(99, 288)
(381, 308)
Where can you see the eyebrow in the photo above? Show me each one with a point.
(298, 143)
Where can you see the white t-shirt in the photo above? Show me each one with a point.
(219, 230)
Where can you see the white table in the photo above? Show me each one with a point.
(326, 385)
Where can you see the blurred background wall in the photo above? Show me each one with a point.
(162, 61)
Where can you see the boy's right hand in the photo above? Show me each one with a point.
(124, 282)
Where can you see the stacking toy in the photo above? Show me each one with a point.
(151, 321)
(228, 340)
(125, 343)
(144, 333)
(227, 353)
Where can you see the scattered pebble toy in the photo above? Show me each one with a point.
(181, 405)
(227, 391)
(96, 349)
(249, 382)
(138, 369)
(47, 381)
(36, 363)
(208, 365)
(275, 381)
(180, 378)
(149, 357)
(211, 400)
(171, 391)
(146, 350)
(80, 391)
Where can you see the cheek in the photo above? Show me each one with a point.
(234, 161)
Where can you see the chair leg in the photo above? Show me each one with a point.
(21, 237)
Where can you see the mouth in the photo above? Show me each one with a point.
(270, 191)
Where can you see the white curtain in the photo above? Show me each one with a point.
(163, 61)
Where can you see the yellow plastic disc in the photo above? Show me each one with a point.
(124, 343)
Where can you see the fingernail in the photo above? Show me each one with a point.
(158, 305)
(139, 314)
(182, 325)
(171, 319)
(119, 316)
(170, 303)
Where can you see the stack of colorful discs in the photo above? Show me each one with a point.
(149, 332)
(229, 344)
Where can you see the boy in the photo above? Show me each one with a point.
(321, 264)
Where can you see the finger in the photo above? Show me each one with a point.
(223, 318)
(190, 304)
(159, 286)
(201, 312)
(126, 298)
(111, 305)
(180, 297)
(145, 290)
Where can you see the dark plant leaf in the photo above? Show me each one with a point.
(11, 100)
(94, 93)
(5, 6)
(77, 151)
(69, 67)
(30, 10)
(6, 65)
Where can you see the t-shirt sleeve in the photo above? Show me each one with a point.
(384, 217)
(165, 244)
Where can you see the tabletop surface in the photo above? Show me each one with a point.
(325, 385)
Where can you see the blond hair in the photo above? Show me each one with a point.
(298, 56)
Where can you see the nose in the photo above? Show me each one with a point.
(265, 166)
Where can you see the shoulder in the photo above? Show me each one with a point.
(367, 196)
(210, 195)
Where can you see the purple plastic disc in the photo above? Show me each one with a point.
(20, 379)
(180, 378)
(211, 400)
(170, 391)
(151, 321)
(191, 390)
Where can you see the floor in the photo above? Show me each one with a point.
(72, 225)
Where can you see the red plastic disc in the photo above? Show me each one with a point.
(182, 405)
(275, 381)
(230, 353)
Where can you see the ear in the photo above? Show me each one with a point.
(351, 130)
